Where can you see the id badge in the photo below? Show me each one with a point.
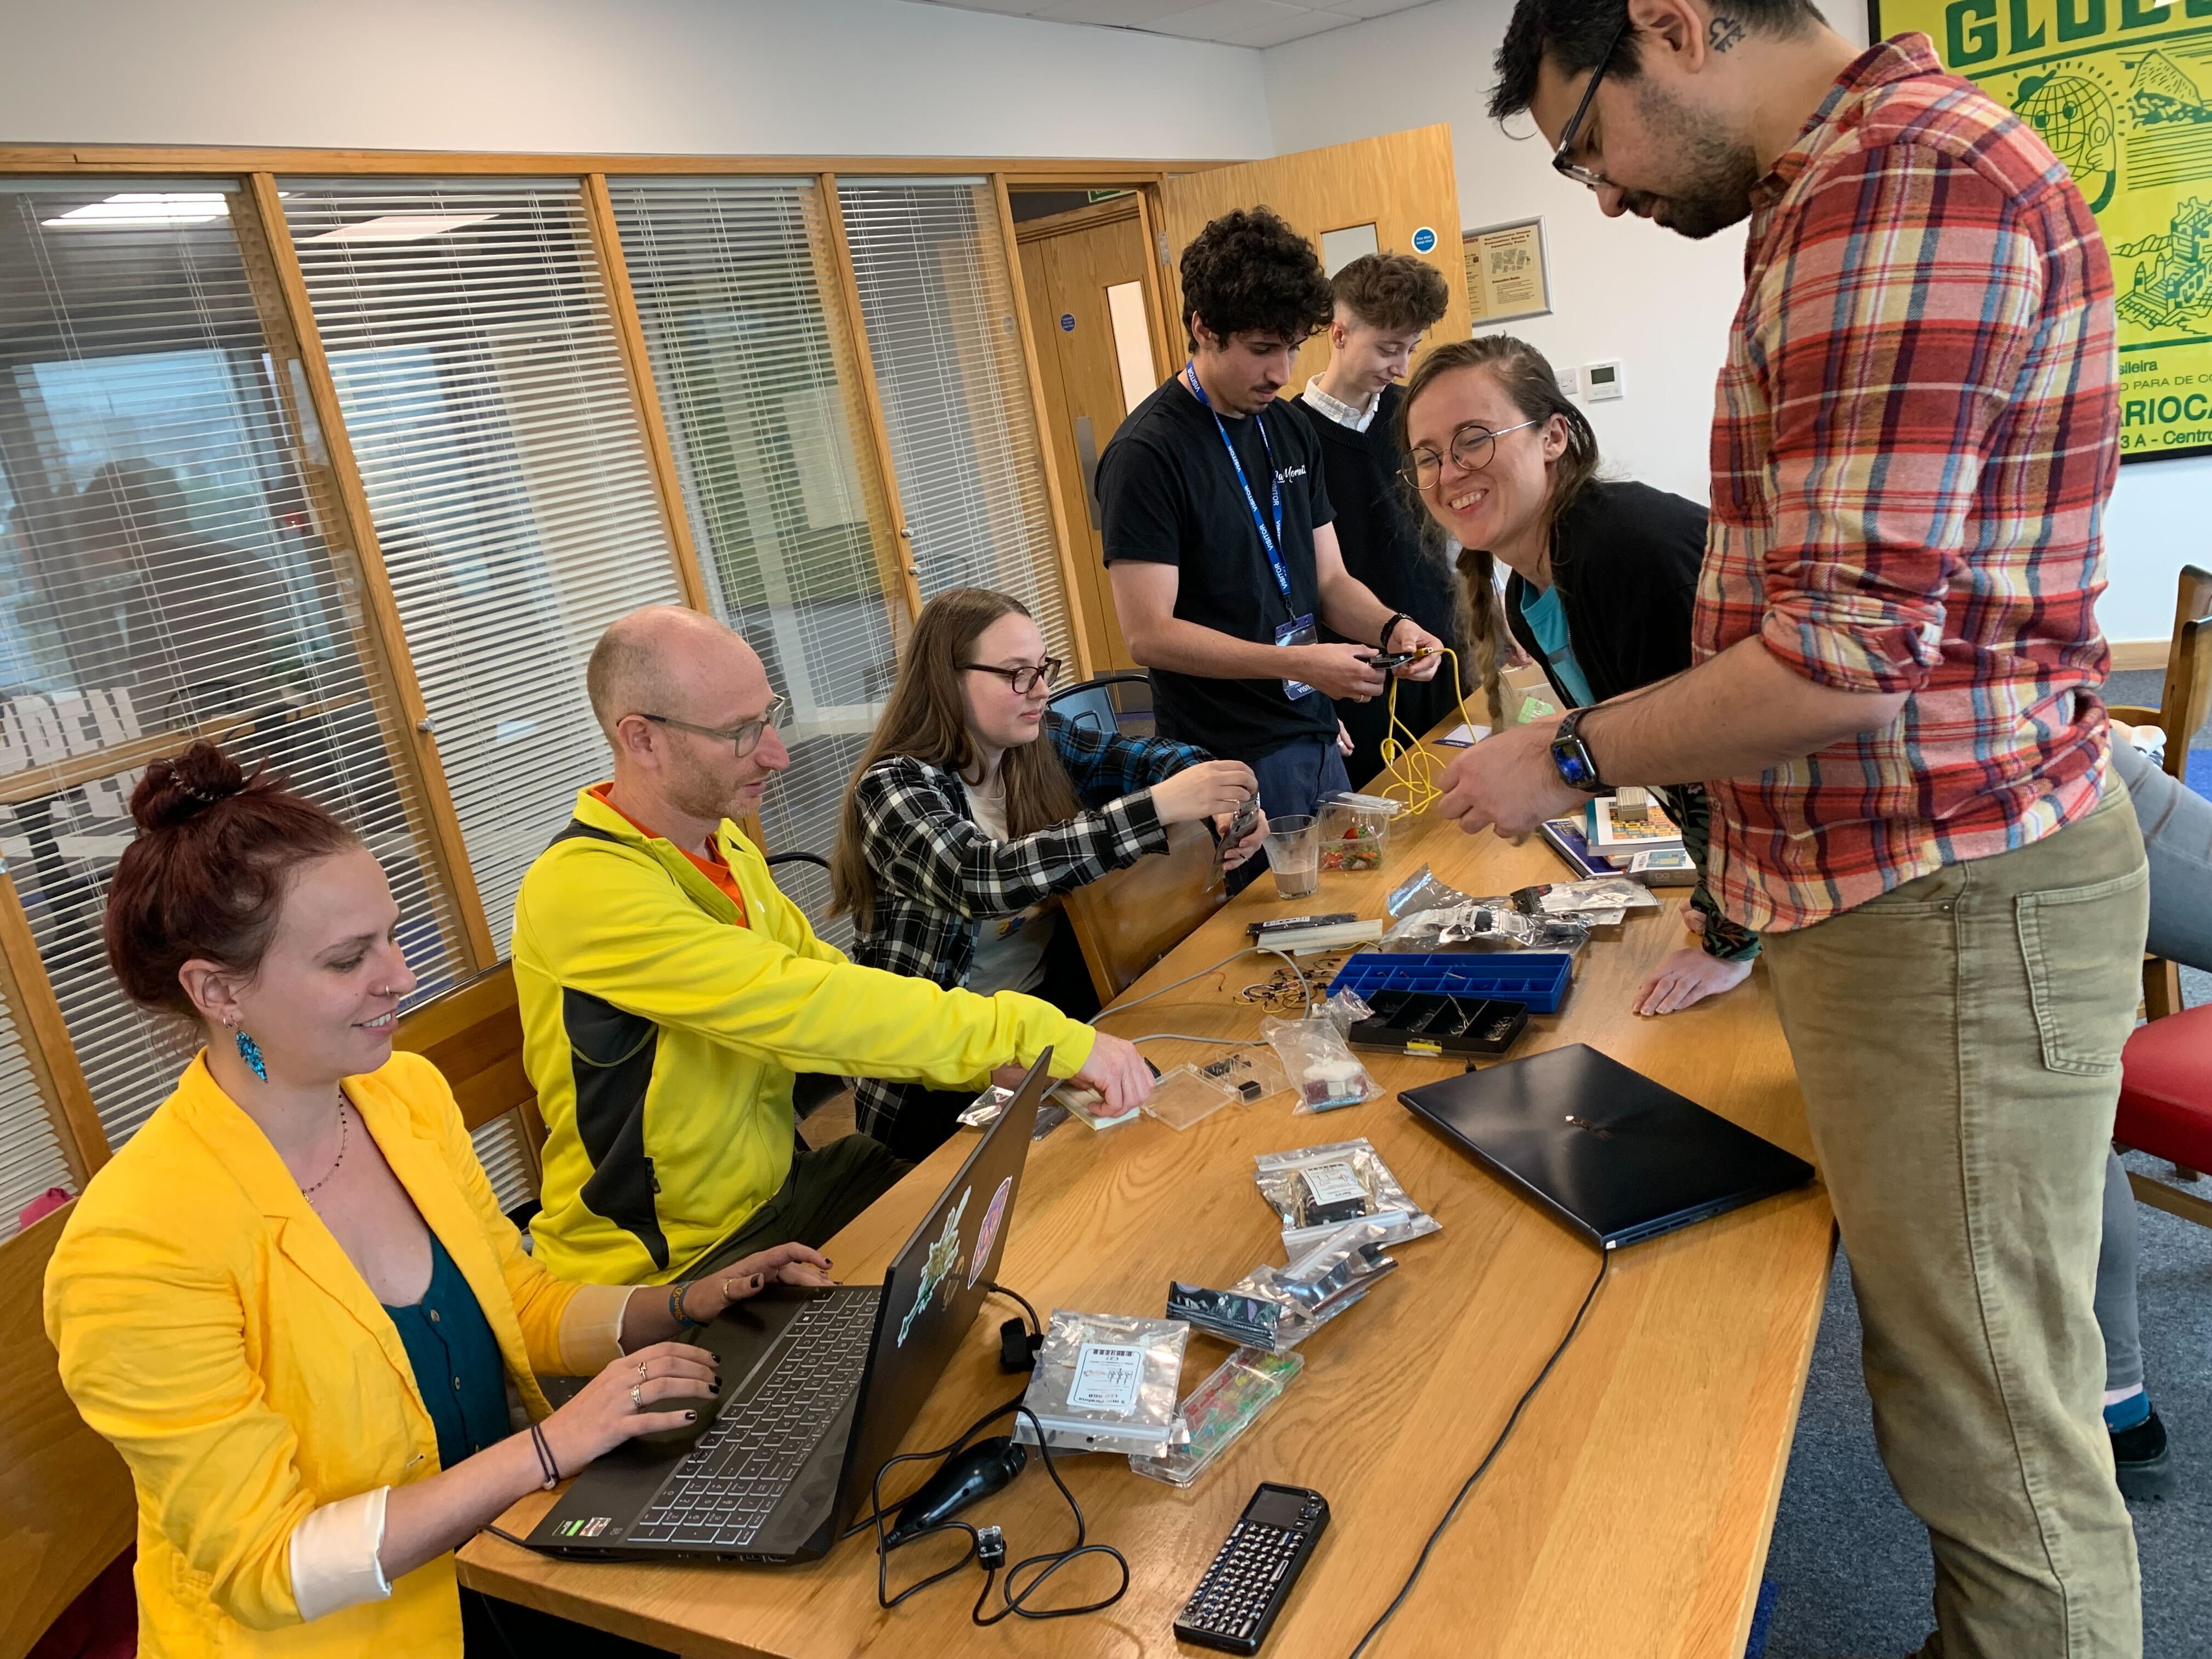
(1299, 630)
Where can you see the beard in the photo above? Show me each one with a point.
(1717, 172)
(699, 792)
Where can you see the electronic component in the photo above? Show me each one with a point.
(1238, 1599)
(1432, 1022)
(1329, 1193)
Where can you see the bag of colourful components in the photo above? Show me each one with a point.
(1220, 1410)
(1326, 1075)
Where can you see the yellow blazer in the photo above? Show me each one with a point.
(212, 1329)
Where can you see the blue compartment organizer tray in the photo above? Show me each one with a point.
(1537, 979)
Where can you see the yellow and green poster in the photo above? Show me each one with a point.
(2122, 92)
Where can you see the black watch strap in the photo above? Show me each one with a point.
(1388, 629)
(1576, 765)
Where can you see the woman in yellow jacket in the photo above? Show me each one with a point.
(291, 1301)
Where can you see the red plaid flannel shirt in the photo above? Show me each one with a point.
(1917, 427)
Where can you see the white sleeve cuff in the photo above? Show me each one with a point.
(334, 1555)
(591, 1326)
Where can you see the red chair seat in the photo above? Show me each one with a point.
(2165, 1089)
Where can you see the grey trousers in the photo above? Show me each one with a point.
(2177, 831)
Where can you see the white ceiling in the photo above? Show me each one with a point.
(1231, 22)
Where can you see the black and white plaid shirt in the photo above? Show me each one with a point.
(937, 874)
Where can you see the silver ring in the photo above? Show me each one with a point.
(636, 1397)
(640, 1369)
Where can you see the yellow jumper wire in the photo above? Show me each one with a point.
(1409, 767)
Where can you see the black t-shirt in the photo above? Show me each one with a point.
(1168, 496)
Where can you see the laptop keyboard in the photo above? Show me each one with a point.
(722, 1491)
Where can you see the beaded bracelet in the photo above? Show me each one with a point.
(683, 1320)
(546, 1465)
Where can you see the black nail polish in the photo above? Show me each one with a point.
(713, 1388)
(690, 1417)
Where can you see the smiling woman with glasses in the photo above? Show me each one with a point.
(1601, 576)
(960, 824)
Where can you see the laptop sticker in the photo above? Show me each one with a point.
(598, 1524)
(993, 1217)
(937, 1272)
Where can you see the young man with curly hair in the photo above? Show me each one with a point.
(1385, 302)
(1219, 530)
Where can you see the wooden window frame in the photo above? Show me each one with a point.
(334, 486)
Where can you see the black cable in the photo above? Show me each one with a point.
(1605, 1260)
(1036, 1325)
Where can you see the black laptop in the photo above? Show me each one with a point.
(820, 1386)
(1612, 1154)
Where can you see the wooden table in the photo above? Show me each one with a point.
(1628, 1515)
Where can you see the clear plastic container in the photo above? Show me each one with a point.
(1355, 831)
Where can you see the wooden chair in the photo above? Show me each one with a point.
(1128, 920)
(66, 1506)
(2184, 703)
(2165, 1085)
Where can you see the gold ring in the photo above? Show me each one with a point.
(636, 1398)
(640, 1371)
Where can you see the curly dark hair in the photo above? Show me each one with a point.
(1249, 272)
(1398, 293)
(1575, 34)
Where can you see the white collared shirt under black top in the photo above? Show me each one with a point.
(1337, 410)
(1167, 495)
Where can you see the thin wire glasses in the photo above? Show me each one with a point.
(746, 735)
(1472, 446)
(1024, 680)
(1576, 170)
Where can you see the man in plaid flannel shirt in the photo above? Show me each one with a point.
(1895, 697)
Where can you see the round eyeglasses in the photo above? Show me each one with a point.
(1472, 446)
(1024, 680)
(745, 737)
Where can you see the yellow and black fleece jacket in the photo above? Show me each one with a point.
(662, 1035)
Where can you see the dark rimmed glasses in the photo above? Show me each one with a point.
(1576, 170)
(1472, 446)
(1024, 680)
(745, 737)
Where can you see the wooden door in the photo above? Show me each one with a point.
(1401, 185)
(1093, 318)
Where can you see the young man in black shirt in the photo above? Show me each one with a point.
(1218, 535)
(1385, 302)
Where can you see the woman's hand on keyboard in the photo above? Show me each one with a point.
(784, 1264)
(641, 1393)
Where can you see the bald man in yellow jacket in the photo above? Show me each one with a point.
(669, 992)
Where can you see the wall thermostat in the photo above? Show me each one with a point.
(1602, 380)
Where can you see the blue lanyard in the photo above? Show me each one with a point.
(1272, 544)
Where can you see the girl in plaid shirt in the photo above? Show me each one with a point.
(960, 824)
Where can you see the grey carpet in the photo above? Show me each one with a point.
(1850, 1563)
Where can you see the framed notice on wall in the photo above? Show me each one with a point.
(1505, 273)
(2122, 92)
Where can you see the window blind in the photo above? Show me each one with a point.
(162, 575)
(485, 396)
(499, 1149)
(31, 1159)
(729, 277)
(938, 308)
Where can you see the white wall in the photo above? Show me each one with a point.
(1624, 289)
(842, 77)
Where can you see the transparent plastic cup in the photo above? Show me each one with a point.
(1294, 855)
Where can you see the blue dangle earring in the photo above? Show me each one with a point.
(250, 1052)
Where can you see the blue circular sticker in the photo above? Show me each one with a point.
(1425, 240)
(1067, 322)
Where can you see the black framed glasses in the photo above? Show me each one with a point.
(1472, 446)
(745, 737)
(1024, 680)
(1576, 170)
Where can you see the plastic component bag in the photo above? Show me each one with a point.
(1107, 1383)
(1275, 1309)
(1422, 891)
(1318, 1189)
(1184, 1096)
(1345, 1009)
(1220, 1410)
(1319, 1063)
(987, 1107)
(1485, 925)
(1572, 898)
(1249, 1074)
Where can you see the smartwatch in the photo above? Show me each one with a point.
(1578, 766)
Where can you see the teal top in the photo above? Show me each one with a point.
(1548, 622)
(456, 1362)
